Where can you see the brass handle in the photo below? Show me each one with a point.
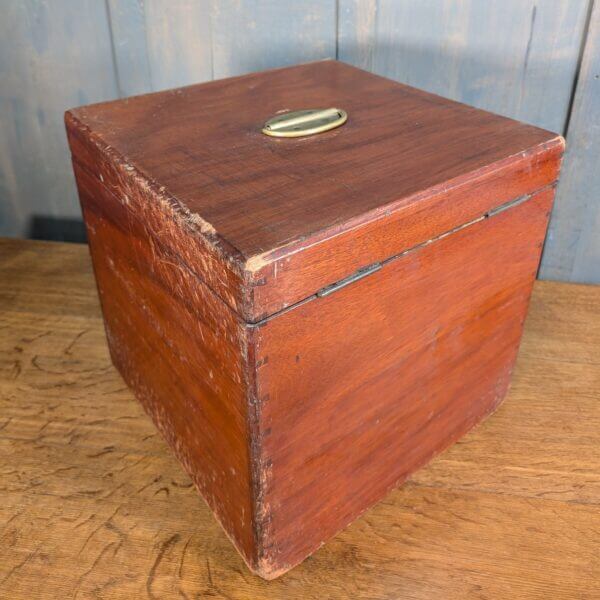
(305, 122)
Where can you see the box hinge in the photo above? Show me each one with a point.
(329, 289)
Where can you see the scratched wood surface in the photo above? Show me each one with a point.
(405, 362)
(94, 505)
(198, 40)
(287, 217)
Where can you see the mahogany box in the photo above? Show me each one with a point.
(309, 319)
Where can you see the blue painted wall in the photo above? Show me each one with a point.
(534, 60)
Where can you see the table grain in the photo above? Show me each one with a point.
(93, 504)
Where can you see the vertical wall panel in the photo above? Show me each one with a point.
(513, 57)
(179, 42)
(53, 55)
(261, 34)
(572, 250)
(130, 47)
(159, 45)
(187, 41)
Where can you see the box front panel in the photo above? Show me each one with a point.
(360, 388)
(180, 349)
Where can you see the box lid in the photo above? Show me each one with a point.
(271, 221)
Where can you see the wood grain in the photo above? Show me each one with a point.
(182, 350)
(178, 42)
(130, 46)
(94, 504)
(291, 423)
(198, 40)
(281, 218)
(360, 388)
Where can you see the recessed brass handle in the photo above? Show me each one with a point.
(305, 122)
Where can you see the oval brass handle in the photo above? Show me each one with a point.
(305, 122)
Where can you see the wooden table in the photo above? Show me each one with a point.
(92, 504)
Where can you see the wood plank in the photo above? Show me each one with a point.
(53, 56)
(514, 57)
(572, 251)
(179, 42)
(182, 351)
(22, 266)
(130, 46)
(420, 542)
(158, 46)
(105, 510)
(195, 41)
(260, 34)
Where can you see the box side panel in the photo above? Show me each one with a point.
(360, 388)
(291, 274)
(181, 350)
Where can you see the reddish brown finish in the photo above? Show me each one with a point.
(364, 386)
(411, 223)
(181, 350)
(254, 205)
(292, 422)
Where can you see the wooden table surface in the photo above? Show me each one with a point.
(93, 505)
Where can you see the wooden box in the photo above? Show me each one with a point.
(309, 320)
